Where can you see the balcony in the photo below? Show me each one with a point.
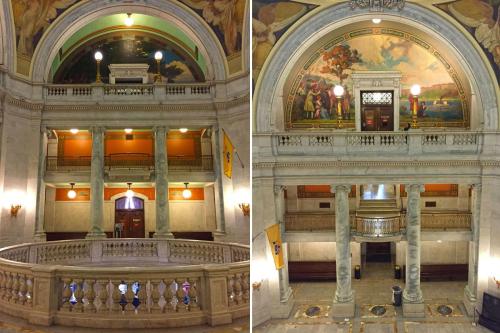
(137, 92)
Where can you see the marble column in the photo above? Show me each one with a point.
(39, 235)
(219, 186)
(470, 292)
(343, 303)
(161, 184)
(413, 302)
(286, 295)
(97, 184)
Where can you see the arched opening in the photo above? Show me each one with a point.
(129, 218)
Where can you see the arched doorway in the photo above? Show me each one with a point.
(129, 218)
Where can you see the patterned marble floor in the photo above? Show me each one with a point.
(374, 289)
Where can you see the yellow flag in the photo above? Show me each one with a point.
(228, 153)
(274, 237)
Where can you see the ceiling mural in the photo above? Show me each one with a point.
(31, 20)
(311, 102)
(271, 19)
(481, 18)
(226, 18)
(176, 66)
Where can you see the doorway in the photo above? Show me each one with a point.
(378, 252)
(129, 218)
(377, 111)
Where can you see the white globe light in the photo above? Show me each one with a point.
(183, 130)
(98, 56)
(376, 20)
(128, 130)
(129, 193)
(129, 21)
(71, 194)
(415, 90)
(186, 194)
(158, 55)
(338, 91)
(74, 130)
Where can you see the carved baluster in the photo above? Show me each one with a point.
(181, 307)
(90, 295)
(168, 296)
(29, 293)
(116, 295)
(66, 294)
(22, 289)
(8, 287)
(155, 296)
(245, 285)
(193, 295)
(230, 297)
(238, 288)
(129, 295)
(78, 293)
(3, 281)
(103, 295)
(143, 298)
(15, 288)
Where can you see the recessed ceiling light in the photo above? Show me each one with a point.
(128, 130)
(129, 21)
(376, 20)
(183, 130)
(74, 130)
(439, 241)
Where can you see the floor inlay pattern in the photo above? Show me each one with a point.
(377, 311)
(378, 327)
(444, 310)
(307, 311)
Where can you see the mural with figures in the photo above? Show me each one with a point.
(311, 102)
(482, 19)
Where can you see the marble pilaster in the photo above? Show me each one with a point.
(343, 303)
(161, 184)
(39, 235)
(219, 186)
(470, 292)
(413, 302)
(97, 184)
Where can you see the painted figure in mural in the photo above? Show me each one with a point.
(309, 104)
(227, 16)
(421, 109)
(32, 17)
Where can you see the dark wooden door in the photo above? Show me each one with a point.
(132, 223)
(378, 252)
(377, 118)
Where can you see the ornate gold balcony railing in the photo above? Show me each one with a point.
(378, 226)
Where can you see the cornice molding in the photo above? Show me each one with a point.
(354, 164)
(23, 104)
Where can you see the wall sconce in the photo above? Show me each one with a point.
(256, 285)
(497, 281)
(245, 208)
(242, 199)
(14, 209)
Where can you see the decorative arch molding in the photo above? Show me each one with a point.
(7, 45)
(187, 21)
(269, 104)
(124, 194)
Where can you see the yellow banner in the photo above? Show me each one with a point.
(228, 153)
(274, 237)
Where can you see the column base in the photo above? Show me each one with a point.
(167, 235)
(343, 310)
(219, 236)
(96, 235)
(414, 310)
(40, 237)
(470, 302)
(285, 307)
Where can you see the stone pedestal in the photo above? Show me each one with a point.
(415, 310)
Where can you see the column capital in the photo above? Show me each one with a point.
(278, 189)
(340, 188)
(97, 129)
(477, 186)
(415, 188)
(159, 128)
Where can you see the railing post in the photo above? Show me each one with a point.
(46, 296)
(214, 295)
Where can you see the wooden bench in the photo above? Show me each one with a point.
(443, 272)
(312, 271)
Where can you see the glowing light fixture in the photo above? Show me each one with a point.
(186, 194)
(98, 58)
(415, 91)
(242, 198)
(376, 20)
(128, 130)
(13, 200)
(129, 193)
(71, 193)
(158, 57)
(338, 91)
(183, 130)
(74, 130)
(129, 21)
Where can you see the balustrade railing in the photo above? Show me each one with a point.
(378, 226)
(310, 221)
(194, 163)
(129, 160)
(194, 282)
(444, 220)
(96, 92)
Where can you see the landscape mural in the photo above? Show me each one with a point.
(312, 103)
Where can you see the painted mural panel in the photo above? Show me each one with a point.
(311, 102)
(481, 18)
(271, 19)
(31, 20)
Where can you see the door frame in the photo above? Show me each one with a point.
(147, 222)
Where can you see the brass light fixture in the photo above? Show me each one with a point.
(14, 209)
(338, 91)
(158, 57)
(98, 58)
(71, 193)
(186, 194)
(245, 208)
(129, 193)
(415, 92)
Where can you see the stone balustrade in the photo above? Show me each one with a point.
(400, 143)
(378, 226)
(444, 220)
(86, 283)
(116, 92)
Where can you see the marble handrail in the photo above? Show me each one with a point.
(118, 283)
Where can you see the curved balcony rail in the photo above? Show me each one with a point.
(115, 284)
(147, 92)
(448, 220)
(378, 226)
(312, 221)
(426, 141)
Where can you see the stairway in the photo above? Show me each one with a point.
(378, 208)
